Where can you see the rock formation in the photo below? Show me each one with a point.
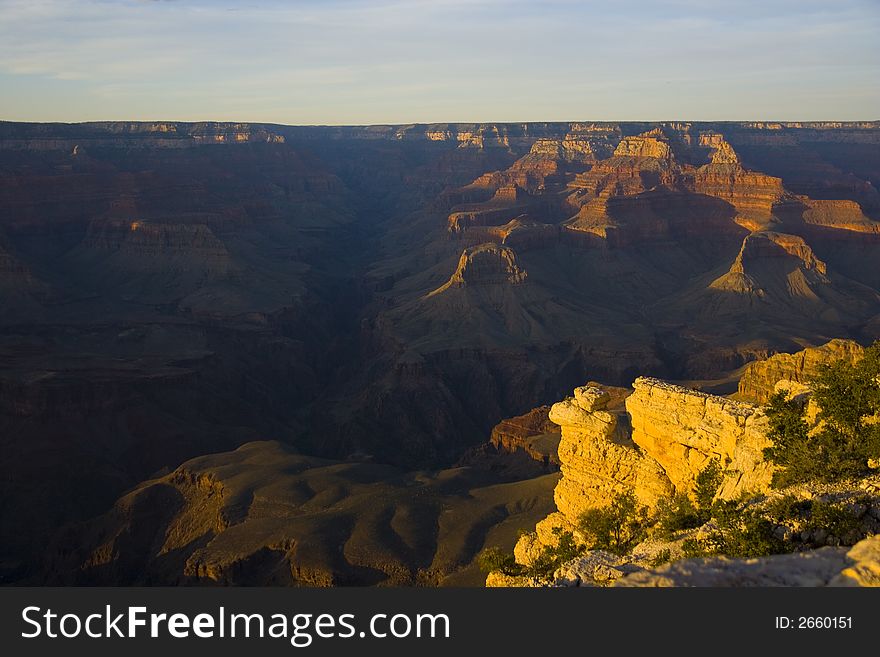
(666, 436)
(761, 379)
(759, 248)
(752, 194)
(533, 433)
(684, 429)
(855, 566)
(160, 246)
(571, 148)
(598, 458)
(647, 145)
(843, 215)
(486, 264)
(721, 150)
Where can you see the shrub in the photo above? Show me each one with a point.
(618, 527)
(692, 548)
(707, 482)
(836, 520)
(679, 513)
(750, 535)
(676, 514)
(494, 558)
(548, 560)
(553, 556)
(788, 508)
(791, 448)
(740, 531)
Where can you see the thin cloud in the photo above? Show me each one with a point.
(360, 61)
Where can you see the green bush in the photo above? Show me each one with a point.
(692, 548)
(740, 531)
(707, 482)
(750, 535)
(836, 520)
(676, 514)
(788, 508)
(494, 558)
(548, 560)
(841, 442)
(618, 527)
(680, 513)
(553, 556)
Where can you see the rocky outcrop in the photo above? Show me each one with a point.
(522, 234)
(151, 240)
(820, 557)
(647, 145)
(533, 433)
(721, 152)
(486, 264)
(599, 459)
(753, 194)
(746, 274)
(761, 379)
(684, 429)
(492, 214)
(855, 566)
(571, 148)
(548, 160)
(842, 215)
(665, 437)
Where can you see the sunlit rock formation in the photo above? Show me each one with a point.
(485, 264)
(761, 379)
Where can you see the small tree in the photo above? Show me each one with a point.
(679, 512)
(676, 513)
(843, 440)
(706, 486)
(789, 434)
(618, 527)
(553, 556)
(740, 531)
(494, 558)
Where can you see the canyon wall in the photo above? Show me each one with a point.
(760, 379)
(664, 437)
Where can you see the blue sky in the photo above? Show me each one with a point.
(396, 61)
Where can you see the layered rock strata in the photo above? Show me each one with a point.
(657, 447)
(762, 378)
(485, 264)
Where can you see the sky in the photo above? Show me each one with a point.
(421, 61)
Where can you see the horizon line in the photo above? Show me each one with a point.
(444, 122)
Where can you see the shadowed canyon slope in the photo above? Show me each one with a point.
(264, 515)
(385, 295)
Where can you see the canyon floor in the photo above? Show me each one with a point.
(250, 354)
